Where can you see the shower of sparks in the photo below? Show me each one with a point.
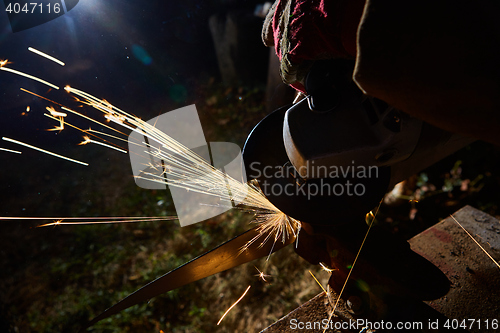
(45, 55)
(176, 165)
(58, 116)
(88, 140)
(234, 304)
(261, 275)
(475, 241)
(91, 220)
(10, 151)
(44, 151)
(318, 282)
(29, 76)
(104, 221)
(67, 124)
(272, 222)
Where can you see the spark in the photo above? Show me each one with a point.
(183, 168)
(11, 151)
(234, 304)
(318, 283)
(91, 119)
(68, 124)
(298, 97)
(88, 140)
(58, 128)
(39, 96)
(58, 222)
(90, 218)
(475, 241)
(261, 274)
(186, 169)
(29, 76)
(28, 108)
(90, 130)
(274, 223)
(57, 116)
(45, 55)
(44, 151)
(55, 113)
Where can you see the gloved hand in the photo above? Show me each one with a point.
(303, 31)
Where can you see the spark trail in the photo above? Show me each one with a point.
(179, 167)
(3, 68)
(45, 55)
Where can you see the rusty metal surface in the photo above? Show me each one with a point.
(474, 293)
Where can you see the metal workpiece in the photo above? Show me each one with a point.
(474, 276)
